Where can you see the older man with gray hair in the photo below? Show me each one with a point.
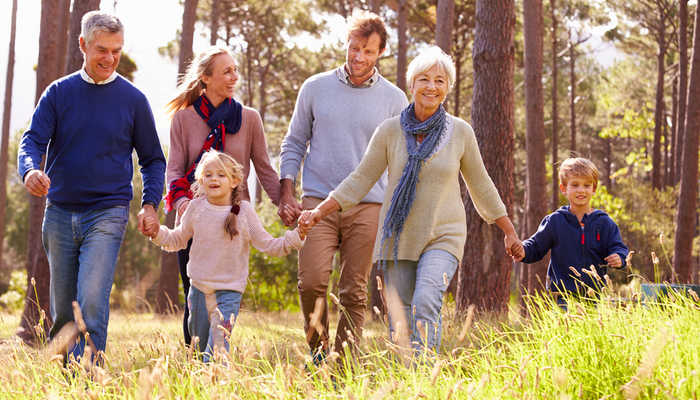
(88, 124)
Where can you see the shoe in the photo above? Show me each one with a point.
(318, 358)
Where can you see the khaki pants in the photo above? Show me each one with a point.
(352, 233)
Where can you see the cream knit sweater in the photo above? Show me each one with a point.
(217, 262)
(437, 219)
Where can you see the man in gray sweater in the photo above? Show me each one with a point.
(335, 116)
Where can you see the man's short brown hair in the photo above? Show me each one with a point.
(364, 23)
(578, 167)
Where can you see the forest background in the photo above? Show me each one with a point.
(530, 110)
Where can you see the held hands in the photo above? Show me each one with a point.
(514, 248)
(309, 218)
(37, 183)
(148, 212)
(289, 208)
(150, 225)
(614, 260)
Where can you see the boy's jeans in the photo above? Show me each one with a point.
(209, 313)
(82, 249)
(421, 285)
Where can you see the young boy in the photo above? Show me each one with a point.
(577, 235)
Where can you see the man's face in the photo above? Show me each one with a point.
(361, 55)
(102, 54)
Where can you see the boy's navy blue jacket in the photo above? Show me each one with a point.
(575, 246)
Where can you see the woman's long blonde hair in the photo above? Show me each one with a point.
(234, 172)
(191, 85)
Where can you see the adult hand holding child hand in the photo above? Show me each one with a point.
(150, 227)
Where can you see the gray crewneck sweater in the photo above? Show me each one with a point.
(335, 123)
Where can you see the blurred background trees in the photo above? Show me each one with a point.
(609, 81)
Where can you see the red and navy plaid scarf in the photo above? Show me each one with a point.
(222, 120)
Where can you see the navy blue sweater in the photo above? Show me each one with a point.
(88, 133)
(575, 246)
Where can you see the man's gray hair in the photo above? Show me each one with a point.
(99, 21)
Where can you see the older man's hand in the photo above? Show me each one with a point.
(147, 211)
(37, 183)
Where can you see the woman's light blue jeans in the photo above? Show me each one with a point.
(82, 249)
(209, 313)
(420, 285)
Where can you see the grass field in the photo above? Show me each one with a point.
(595, 351)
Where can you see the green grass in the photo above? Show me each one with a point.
(597, 351)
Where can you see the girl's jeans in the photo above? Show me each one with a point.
(212, 317)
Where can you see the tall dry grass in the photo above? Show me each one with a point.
(598, 350)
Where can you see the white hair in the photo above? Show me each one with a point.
(426, 60)
(99, 21)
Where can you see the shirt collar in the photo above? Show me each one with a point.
(344, 77)
(87, 78)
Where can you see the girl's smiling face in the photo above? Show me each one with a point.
(217, 184)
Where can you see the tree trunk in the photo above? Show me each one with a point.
(484, 274)
(444, 21)
(533, 277)
(555, 110)
(687, 203)
(658, 111)
(376, 5)
(168, 296)
(682, 85)
(215, 8)
(74, 57)
(403, 45)
(4, 146)
(572, 100)
(62, 32)
(672, 143)
(189, 17)
(32, 329)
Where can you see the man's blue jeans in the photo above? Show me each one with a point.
(209, 313)
(421, 285)
(82, 249)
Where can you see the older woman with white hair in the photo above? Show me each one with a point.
(424, 223)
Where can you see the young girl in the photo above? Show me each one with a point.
(221, 227)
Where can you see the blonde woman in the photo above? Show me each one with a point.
(205, 116)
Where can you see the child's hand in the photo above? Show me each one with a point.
(614, 260)
(150, 227)
(514, 247)
(303, 231)
(518, 251)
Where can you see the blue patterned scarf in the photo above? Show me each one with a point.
(405, 193)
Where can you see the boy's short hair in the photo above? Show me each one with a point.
(578, 167)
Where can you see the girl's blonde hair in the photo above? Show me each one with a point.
(234, 172)
(191, 85)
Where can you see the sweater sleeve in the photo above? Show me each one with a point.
(375, 161)
(177, 154)
(296, 140)
(149, 152)
(261, 161)
(176, 239)
(539, 244)
(483, 192)
(263, 241)
(41, 129)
